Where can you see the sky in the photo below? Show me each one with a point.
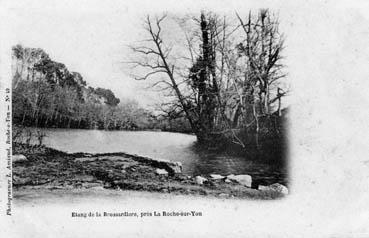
(91, 37)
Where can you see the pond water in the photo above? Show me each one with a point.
(165, 145)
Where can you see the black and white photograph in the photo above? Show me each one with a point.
(218, 120)
(154, 119)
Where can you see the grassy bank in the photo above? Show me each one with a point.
(51, 169)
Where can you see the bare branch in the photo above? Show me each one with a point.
(149, 74)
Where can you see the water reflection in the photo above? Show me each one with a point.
(263, 169)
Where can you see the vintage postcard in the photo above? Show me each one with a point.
(184, 118)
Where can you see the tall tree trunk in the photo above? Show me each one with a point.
(24, 117)
(257, 126)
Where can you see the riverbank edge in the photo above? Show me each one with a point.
(46, 168)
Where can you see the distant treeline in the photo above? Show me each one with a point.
(47, 94)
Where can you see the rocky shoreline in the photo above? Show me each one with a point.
(37, 167)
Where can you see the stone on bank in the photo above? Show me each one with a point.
(176, 167)
(161, 172)
(19, 158)
(216, 176)
(200, 180)
(274, 187)
(243, 179)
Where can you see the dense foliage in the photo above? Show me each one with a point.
(47, 94)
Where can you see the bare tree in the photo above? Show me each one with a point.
(229, 82)
(40, 135)
(262, 47)
(196, 86)
(156, 61)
